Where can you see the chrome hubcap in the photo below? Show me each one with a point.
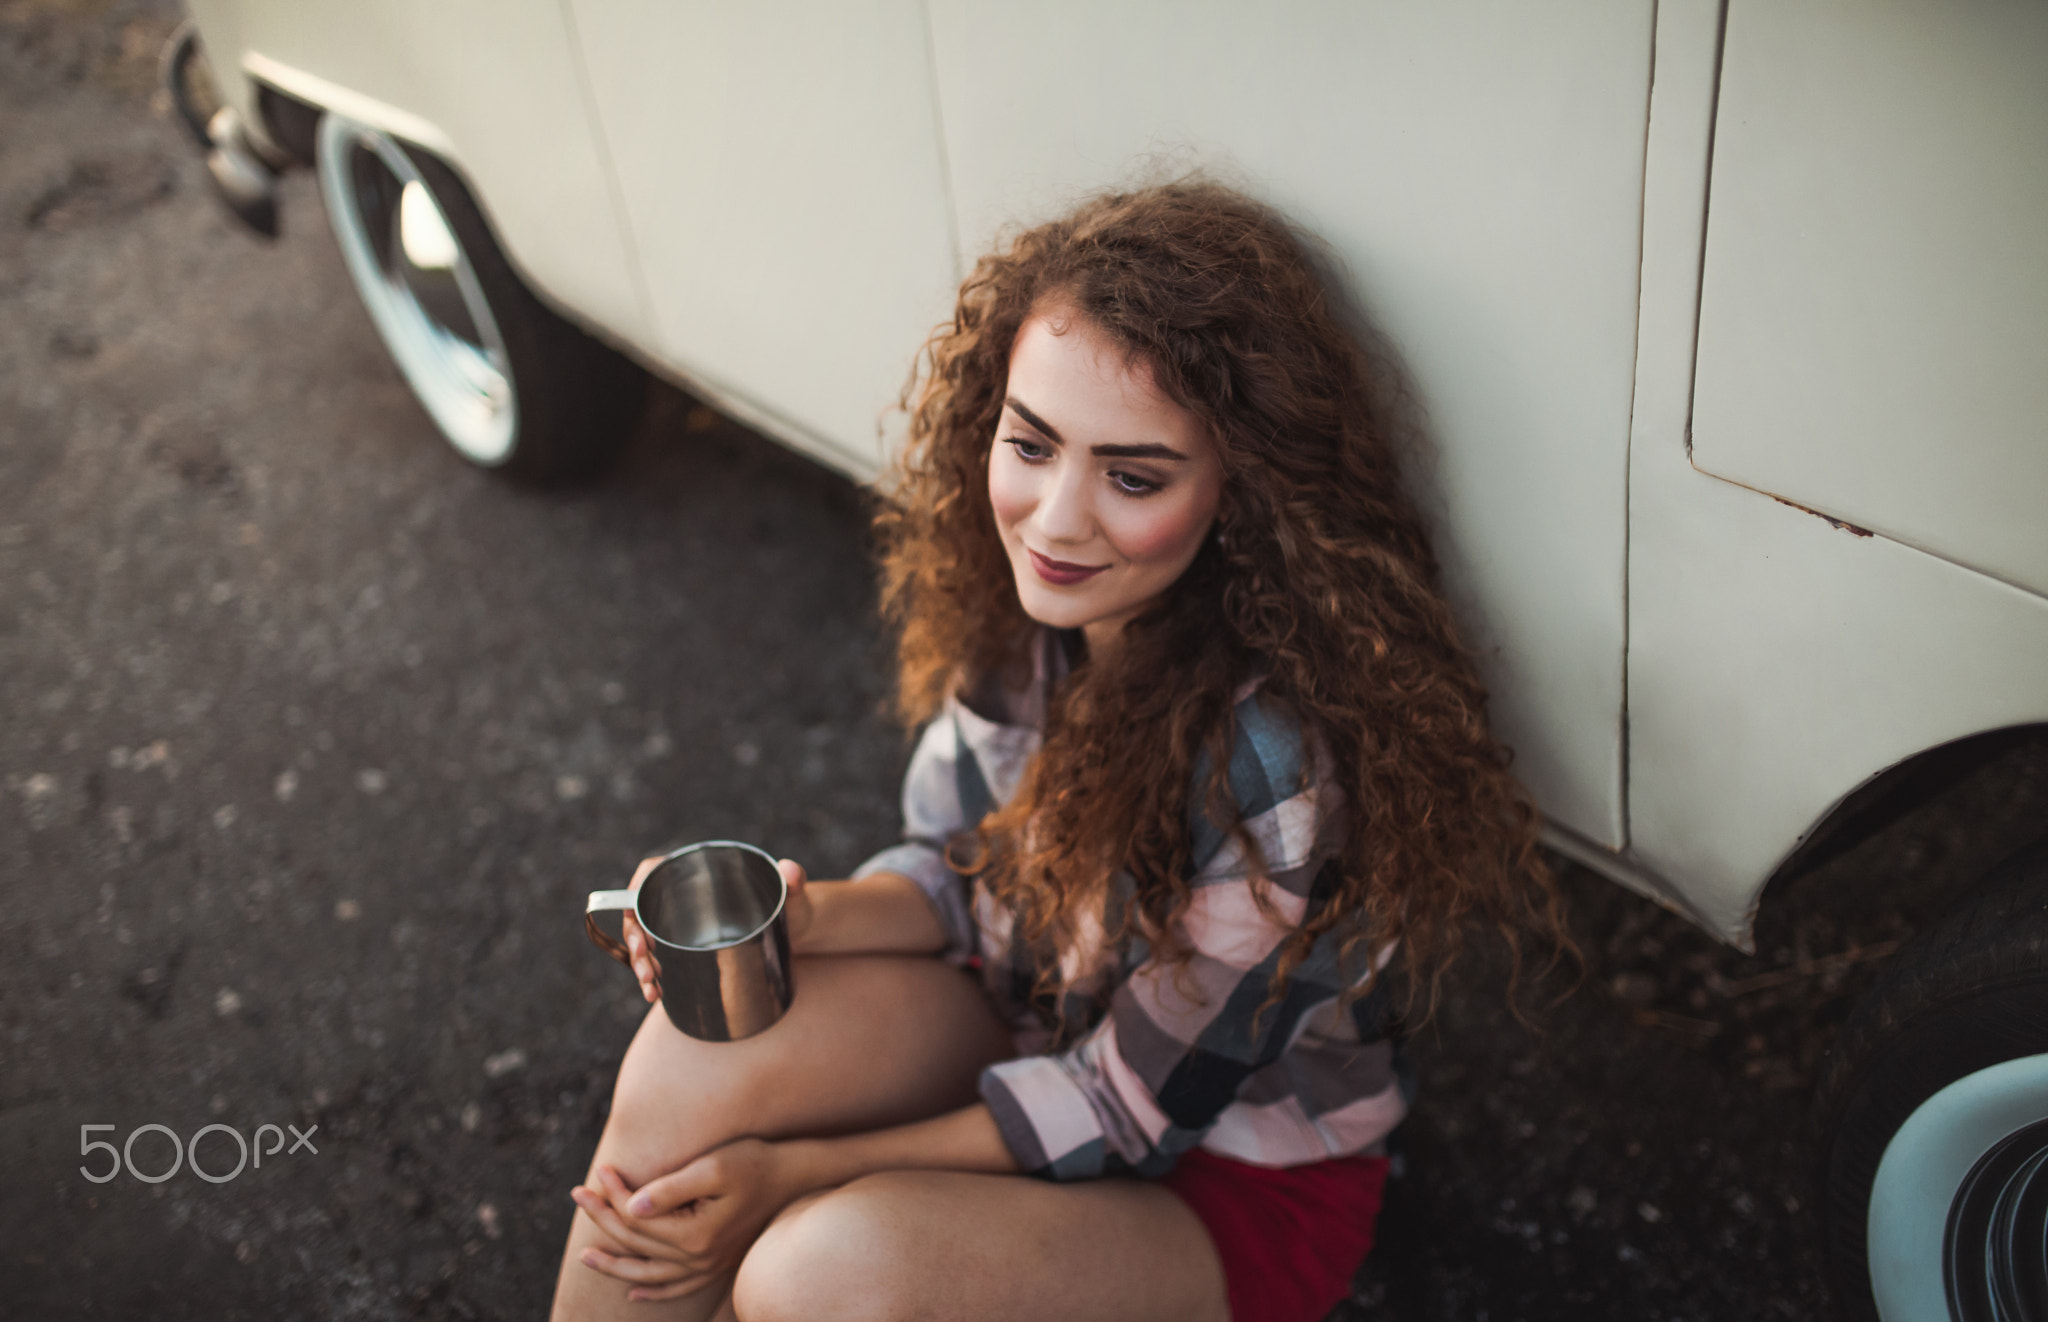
(1958, 1219)
(1995, 1256)
(419, 288)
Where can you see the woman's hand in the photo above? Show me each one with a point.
(688, 1228)
(797, 909)
(644, 967)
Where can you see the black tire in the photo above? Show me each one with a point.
(510, 384)
(1966, 1004)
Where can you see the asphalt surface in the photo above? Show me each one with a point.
(313, 738)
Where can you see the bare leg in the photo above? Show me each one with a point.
(909, 1245)
(870, 1041)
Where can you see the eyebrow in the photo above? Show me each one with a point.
(1149, 450)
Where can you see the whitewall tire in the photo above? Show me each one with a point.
(510, 384)
(1936, 1113)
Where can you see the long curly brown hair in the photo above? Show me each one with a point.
(1323, 580)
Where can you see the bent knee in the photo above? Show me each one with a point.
(667, 1110)
(847, 1255)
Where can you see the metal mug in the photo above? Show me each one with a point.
(713, 915)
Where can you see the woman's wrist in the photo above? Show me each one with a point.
(816, 938)
(806, 1165)
(963, 1140)
(790, 1172)
(882, 914)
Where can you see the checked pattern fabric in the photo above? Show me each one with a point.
(1144, 1060)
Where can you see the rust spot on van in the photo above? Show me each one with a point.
(1847, 527)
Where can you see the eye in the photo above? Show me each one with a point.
(1029, 449)
(1133, 485)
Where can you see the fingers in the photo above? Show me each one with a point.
(622, 1231)
(647, 1277)
(700, 1179)
(638, 1271)
(656, 1268)
(644, 1295)
(620, 1194)
(682, 1234)
(798, 906)
(644, 967)
(651, 1280)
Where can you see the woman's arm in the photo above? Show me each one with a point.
(884, 913)
(686, 1229)
(962, 1140)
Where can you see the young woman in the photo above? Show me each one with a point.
(1109, 1035)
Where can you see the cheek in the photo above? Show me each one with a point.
(1154, 530)
(1009, 491)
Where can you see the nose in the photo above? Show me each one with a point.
(1063, 515)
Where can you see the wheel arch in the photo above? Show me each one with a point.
(1894, 794)
(321, 96)
(416, 73)
(292, 121)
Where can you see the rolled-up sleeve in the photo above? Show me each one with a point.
(936, 808)
(1148, 1081)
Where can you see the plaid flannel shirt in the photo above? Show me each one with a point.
(1176, 1059)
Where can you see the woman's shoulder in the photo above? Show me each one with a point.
(1278, 783)
(1272, 750)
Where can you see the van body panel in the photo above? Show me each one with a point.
(1777, 660)
(1874, 326)
(781, 172)
(1477, 171)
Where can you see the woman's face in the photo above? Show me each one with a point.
(1103, 488)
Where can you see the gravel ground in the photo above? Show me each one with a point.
(313, 739)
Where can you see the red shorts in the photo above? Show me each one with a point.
(1291, 1238)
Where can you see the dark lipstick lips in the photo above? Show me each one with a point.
(1060, 572)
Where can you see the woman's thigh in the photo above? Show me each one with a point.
(998, 1248)
(869, 1041)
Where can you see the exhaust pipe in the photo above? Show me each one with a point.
(241, 160)
(245, 182)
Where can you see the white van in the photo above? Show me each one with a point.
(1731, 321)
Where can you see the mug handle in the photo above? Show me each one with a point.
(601, 901)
